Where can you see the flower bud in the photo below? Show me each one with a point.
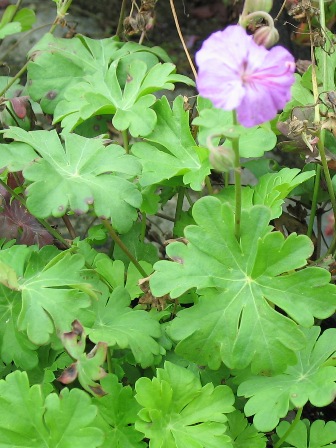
(258, 5)
(266, 36)
(222, 158)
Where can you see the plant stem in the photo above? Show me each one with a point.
(121, 18)
(172, 6)
(61, 13)
(44, 223)
(122, 246)
(290, 429)
(187, 195)
(69, 226)
(237, 178)
(179, 204)
(321, 133)
(163, 216)
(143, 227)
(14, 79)
(125, 139)
(109, 360)
(17, 6)
(226, 179)
(208, 185)
(327, 176)
(314, 201)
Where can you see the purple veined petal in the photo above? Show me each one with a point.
(224, 93)
(222, 86)
(257, 106)
(229, 47)
(236, 73)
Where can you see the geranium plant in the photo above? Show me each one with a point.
(222, 336)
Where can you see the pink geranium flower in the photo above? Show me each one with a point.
(236, 73)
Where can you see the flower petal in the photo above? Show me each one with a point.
(236, 73)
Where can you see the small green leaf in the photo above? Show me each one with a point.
(9, 29)
(319, 434)
(30, 421)
(117, 413)
(15, 345)
(244, 435)
(173, 148)
(26, 18)
(178, 412)
(270, 398)
(104, 92)
(122, 327)
(253, 142)
(273, 188)
(48, 289)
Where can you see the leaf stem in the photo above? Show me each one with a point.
(17, 6)
(209, 185)
(121, 18)
(122, 246)
(69, 226)
(314, 201)
(143, 226)
(187, 195)
(62, 9)
(237, 179)
(290, 429)
(126, 141)
(179, 204)
(14, 79)
(109, 360)
(179, 32)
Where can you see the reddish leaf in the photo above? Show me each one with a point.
(17, 223)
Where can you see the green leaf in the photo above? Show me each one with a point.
(52, 295)
(60, 63)
(301, 96)
(104, 93)
(15, 345)
(141, 251)
(26, 18)
(10, 28)
(174, 149)
(253, 142)
(75, 176)
(273, 188)
(242, 434)
(120, 326)
(29, 420)
(8, 276)
(117, 412)
(178, 412)
(240, 285)
(87, 367)
(309, 379)
(319, 434)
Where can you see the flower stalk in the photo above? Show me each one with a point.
(237, 180)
